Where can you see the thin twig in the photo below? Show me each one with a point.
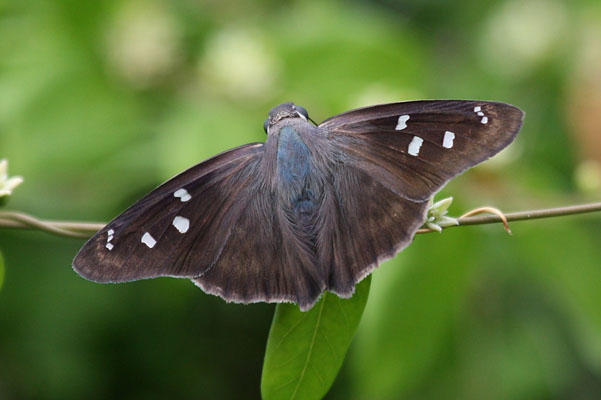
(526, 215)
(14, 219)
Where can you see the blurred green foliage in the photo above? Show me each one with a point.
(102, 101)
(1, 271)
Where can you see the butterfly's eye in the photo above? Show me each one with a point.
(266, 126)
(302, 111)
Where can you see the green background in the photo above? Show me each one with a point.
(102, 101)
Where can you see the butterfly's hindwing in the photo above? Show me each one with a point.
(358, 232)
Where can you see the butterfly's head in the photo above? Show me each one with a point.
(286, 110)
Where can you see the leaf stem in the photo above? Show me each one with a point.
(19, 220)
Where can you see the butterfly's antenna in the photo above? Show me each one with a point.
(314, 123)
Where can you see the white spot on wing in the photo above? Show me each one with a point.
(402, 122)
(415, 145)
(148, 240)
(447, 141)
(181, 224)
(478, 110)
(182, 194)
(109, 245)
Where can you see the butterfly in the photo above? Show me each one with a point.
(313, 208)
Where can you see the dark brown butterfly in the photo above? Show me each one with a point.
(314, 208)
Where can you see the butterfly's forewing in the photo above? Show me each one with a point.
(178, 228)
(415, 147)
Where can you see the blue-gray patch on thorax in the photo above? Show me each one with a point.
(295, 164)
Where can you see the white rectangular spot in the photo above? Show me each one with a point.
(484, 120)
(109, 246)
(148, 240)
(415, 145)
(182, 194)
(109, 238)
(477, 108)
(402, 122)
(447, 141)
(181, 224)
(111, 232)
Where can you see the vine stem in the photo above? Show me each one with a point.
(15, 219)
(19, 220)
(523, 215)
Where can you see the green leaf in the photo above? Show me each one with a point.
(305, 350)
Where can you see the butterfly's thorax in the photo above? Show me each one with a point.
(294, 161)
(296, 171)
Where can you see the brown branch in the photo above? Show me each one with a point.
(18, 220)
(14, 219)
(526, 215)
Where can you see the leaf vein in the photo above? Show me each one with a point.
(300, 379)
